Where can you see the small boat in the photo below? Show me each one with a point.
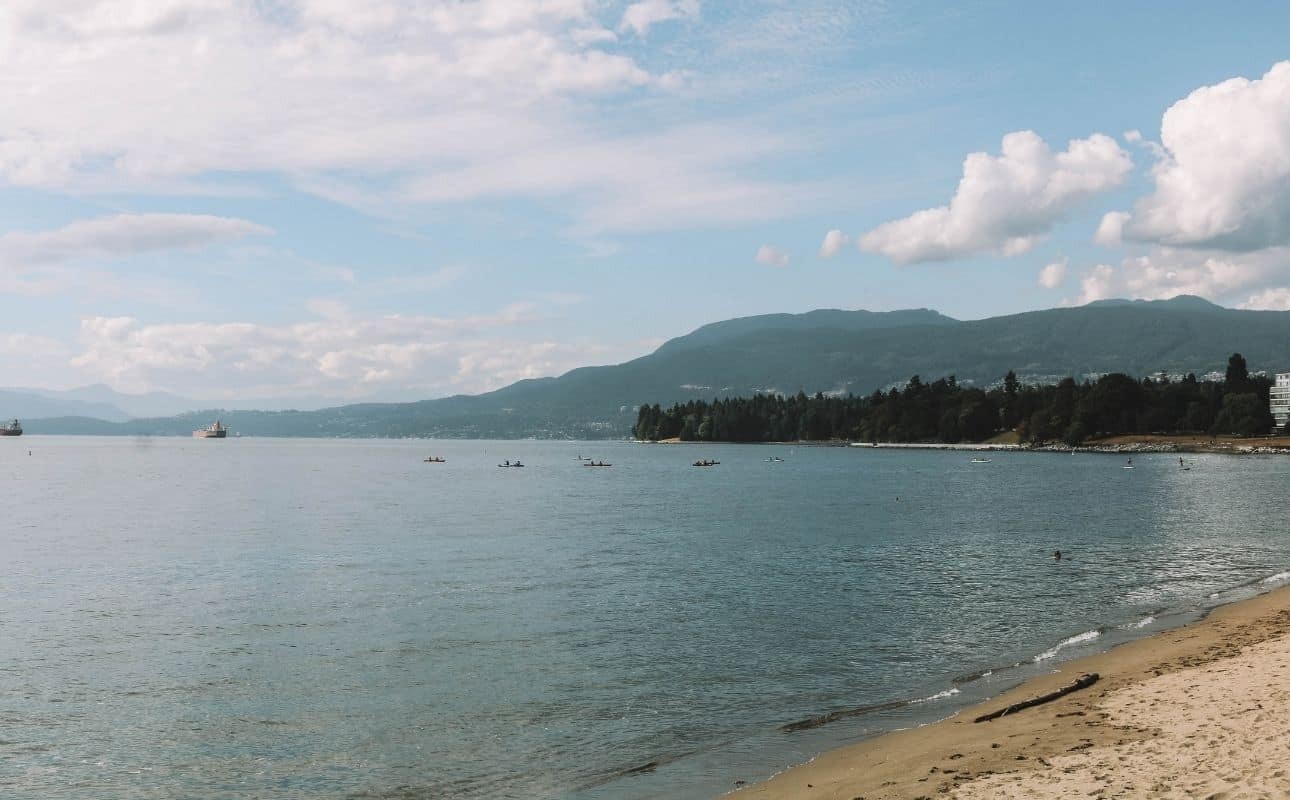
(774, 460)
(436, 460)
(13, 428)
(980, 461)
(596, 464)
(706, 463)
(1128, 465)
(511, 464)
(581, 457)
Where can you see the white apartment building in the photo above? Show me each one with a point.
(1280, 399)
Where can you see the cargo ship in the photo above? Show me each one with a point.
(11, 429)
(213, 431)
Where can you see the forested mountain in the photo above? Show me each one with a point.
(822, 351)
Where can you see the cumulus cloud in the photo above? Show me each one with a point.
(640, 17)
(384, 105)
(1110, 231)
(1277, 299)
(1005, 204)
(833, 243)
(772, 256)
(1240, 279)
(1052, 275)
(1222, 178)
(1096, 284)
(340, 354)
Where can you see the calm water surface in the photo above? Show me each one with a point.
(333, 619)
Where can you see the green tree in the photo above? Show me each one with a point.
(1242, 415)
(1238, 375)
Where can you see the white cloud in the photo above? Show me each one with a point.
(124, 235)
(340, 354)
(29, 346)
(46, 262)
(833, 243)
(1052, 275)
(1004, 204)
(1110, 231)
(1239, 279)
(771, 255)
(640, 17)
(32, 360)
(1096, 284)
(1222, 178)
(1276, 299)
(387, 105)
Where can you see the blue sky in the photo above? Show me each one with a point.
(264, 202)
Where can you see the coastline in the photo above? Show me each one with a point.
(1145, 443)
(1161, 703)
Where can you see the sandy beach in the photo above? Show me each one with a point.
(1198, 711)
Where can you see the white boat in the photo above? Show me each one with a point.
(980, 461)
(215, 430)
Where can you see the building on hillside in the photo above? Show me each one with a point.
(1279, 398)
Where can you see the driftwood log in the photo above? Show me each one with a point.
(1083, 682)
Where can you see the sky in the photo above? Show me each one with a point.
(268, 203)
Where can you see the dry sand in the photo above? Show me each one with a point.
(1200, 711)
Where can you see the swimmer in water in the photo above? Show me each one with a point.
(1057, 555)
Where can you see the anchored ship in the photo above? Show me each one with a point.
(213, 431)
(11, 429)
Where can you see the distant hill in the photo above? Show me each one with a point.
(828, 351)
(102, 402)
(27, 403)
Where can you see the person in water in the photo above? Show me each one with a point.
(1057, 555)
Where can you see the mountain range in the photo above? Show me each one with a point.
(820, 351)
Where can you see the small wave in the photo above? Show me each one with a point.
(1144, 622)
(972, 676)
(938, 696)
(1086, 636)
(833, 716)
(1280, 576)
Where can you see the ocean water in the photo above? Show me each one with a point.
(337, 619)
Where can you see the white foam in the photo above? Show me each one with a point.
(1144, 622)
(938, 696)
(1280, 576)
(1086, 636)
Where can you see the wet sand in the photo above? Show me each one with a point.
(1199, 711)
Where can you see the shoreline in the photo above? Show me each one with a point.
(1156, 700)
(1150, 443)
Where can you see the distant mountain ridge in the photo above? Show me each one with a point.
(27, 403)
(820, 351)
(96, 401)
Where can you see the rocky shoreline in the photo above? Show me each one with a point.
(1223, 448)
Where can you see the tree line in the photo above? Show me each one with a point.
(945, 411)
